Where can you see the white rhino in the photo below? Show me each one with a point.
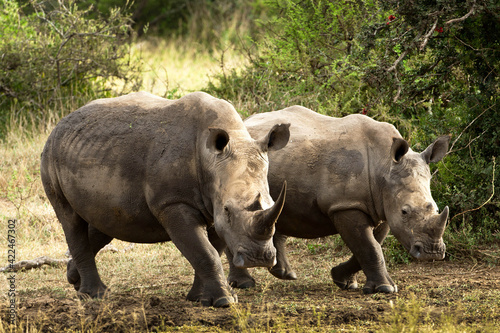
(142, 168)
(356, 177)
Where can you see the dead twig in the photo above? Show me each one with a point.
(34, 263)
(44, 260)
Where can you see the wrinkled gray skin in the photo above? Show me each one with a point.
(356, 177)
(145, 169)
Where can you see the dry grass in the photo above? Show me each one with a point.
(149, 282)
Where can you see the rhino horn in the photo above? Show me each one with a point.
(443, 217)
(265, 219)
(440, 223)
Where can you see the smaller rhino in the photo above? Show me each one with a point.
(356, 177)
(145, 169)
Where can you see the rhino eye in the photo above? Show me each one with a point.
(406, 210)
(228, 213)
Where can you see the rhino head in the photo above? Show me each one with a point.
(244, 212)
(410, 210)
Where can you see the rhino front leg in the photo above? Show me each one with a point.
(282, 269)
(187, 229)
(196, 292)
(355, 229)
(344, 274)
(97, 241)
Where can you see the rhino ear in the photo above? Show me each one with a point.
(436, 150)
(398, 149)
(217, 140)
(277, 137)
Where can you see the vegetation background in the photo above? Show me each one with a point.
(428, 67)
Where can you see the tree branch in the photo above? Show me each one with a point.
(428, 35)
(463, 18)
(398, 60)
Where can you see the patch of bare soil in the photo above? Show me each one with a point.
(467, 291)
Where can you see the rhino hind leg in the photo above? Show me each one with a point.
(97, 240)
(82, 269)
(356, 230)
(282, 269)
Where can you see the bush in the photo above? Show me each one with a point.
(55, 54)
(429, 68)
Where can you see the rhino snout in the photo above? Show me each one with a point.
(266, 259)
(429, 251)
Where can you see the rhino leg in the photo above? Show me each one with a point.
(238, 277)
(282, 269)
(187, 229)
(76, 231)
(196, 292)
(97, 241)
(355, 229)
(344, 274)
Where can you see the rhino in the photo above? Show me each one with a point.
(356, 177)
(145, 169)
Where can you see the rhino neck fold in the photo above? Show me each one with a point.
(376, 183)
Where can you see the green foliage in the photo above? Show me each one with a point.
(394, 252)
(52, 53)
(213, 24)
(430, 68)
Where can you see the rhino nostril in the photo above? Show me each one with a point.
(269, 255)
(239, 260)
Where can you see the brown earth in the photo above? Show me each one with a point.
(466, 293)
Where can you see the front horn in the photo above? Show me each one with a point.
(265, 219)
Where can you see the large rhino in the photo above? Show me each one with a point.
(145, 169)
(356, 177)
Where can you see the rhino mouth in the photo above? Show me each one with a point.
(428, 251)
(243, 260)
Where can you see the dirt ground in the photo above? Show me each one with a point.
(467, 293)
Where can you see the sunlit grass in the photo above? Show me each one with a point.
(174, 67)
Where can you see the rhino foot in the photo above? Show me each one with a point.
(98, 293)
(384, 288)
(282, 273)
(197, 294)
(222, 302)
(250, 283)
(342, 280)
(347, 285)
(240, 278)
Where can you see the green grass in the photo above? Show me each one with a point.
(176, 67)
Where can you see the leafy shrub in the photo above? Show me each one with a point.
(429, 68)
(51, 53)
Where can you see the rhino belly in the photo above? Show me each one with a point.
(113, 204)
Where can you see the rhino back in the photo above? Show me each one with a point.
(118, 162)
(330, 164)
